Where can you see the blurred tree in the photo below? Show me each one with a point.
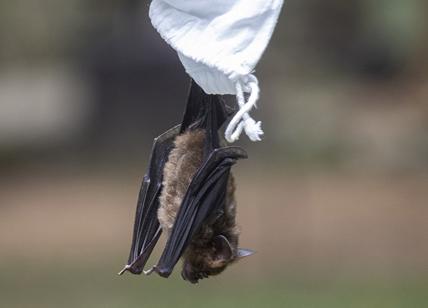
(131, 69)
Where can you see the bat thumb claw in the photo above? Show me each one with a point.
(127, 267)
(149, 271)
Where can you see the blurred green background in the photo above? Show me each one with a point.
(334, 199)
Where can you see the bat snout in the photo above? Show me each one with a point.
(189, 274)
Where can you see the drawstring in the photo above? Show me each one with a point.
(242, 120)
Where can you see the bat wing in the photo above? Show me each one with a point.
(205, 195)
(146, 227)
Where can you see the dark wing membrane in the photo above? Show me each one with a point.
(146, 227)
(206, 194)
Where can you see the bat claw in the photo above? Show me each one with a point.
(127, 267)
(150, 271)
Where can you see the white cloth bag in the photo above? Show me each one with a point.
(219, 43)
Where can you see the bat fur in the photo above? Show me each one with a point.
(207, 254)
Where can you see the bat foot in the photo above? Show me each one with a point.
(150, 271)
(127, 267)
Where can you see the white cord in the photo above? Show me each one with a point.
(242, 120)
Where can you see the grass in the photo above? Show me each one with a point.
(74, 285)
(333, 242)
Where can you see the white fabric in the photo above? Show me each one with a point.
(219, 43)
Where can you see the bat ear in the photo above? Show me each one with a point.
(242, 253)
(224, 251)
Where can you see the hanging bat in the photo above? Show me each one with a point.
(188, 194)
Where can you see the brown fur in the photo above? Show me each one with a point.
(183, 162)
(201, 258)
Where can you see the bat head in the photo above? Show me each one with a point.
(211, 259)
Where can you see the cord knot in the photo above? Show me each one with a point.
(242, 120)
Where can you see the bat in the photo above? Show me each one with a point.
(188, 194)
